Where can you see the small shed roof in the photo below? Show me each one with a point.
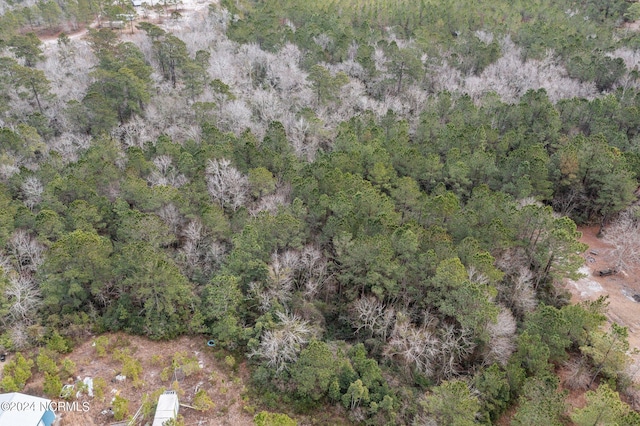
(167, 408)
(23, 409)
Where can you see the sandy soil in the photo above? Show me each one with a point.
(620, 288)
(158, 16)
(224, 386)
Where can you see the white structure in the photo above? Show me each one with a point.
(18, 409)
(167, 408)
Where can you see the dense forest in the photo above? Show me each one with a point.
(372, 202)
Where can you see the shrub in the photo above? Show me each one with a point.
(16, 373)
(99, 385)
(120, 408)
(202, 401)
(52, 385)
(59, 344)
(100, 344)
(131, 366)
(265, 418)
(46, 364)
(68, 368)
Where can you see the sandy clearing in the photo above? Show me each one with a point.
(620, 288)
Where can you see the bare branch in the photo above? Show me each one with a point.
(281, 346)
(32, 190)
(226, 184)
(624, 235)
(502, 338)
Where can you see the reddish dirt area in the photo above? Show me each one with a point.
(623, 309)
(218, 376)
(620, 287)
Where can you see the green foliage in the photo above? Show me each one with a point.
(325, 85)
(452, 403)
(46, 364)
(402, 233)
(532, 354)
(52, 385)
(265, 418)
(29, 83)
(131, 366)
(607, 351)
(221, 299)
(120, 408)
(150, 402)
(494, 391)
(603, 407)
(466, 301)
(356, 394)
(101, 344)
(550, 325)
(27, 47)
(541, 403)
(156, 297)
(181, 363)
(594, 171)
(8, 209)
(99, 386)
(67, 368)
(121, 83)
(75, 270)
(202, 401)
(16, 373)
(58, 344)
(314, 370)
(262, 182)
(633, 12)
(584, 319)
(187, 365)
(604, 71)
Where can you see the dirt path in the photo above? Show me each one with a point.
(620, 288)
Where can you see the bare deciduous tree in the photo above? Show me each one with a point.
(416, 347)
(19, 335)
(134, 132)
(8, 168)
(272, 202)
(26, 252)
(170, 215)
(454, 347)
(312, 271)
(372, 315)
(165, 173)
(18, 265)
(198, 250)
(502, 338)
(511, 76)
(624, 235)
(279, 284)
(24, 296)
(323, 40)
(32, 191)
(226, 184)
(70, 146)
(281, 346)
(577, 373)
(267, 106)
(192, 247)
(516, 291)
